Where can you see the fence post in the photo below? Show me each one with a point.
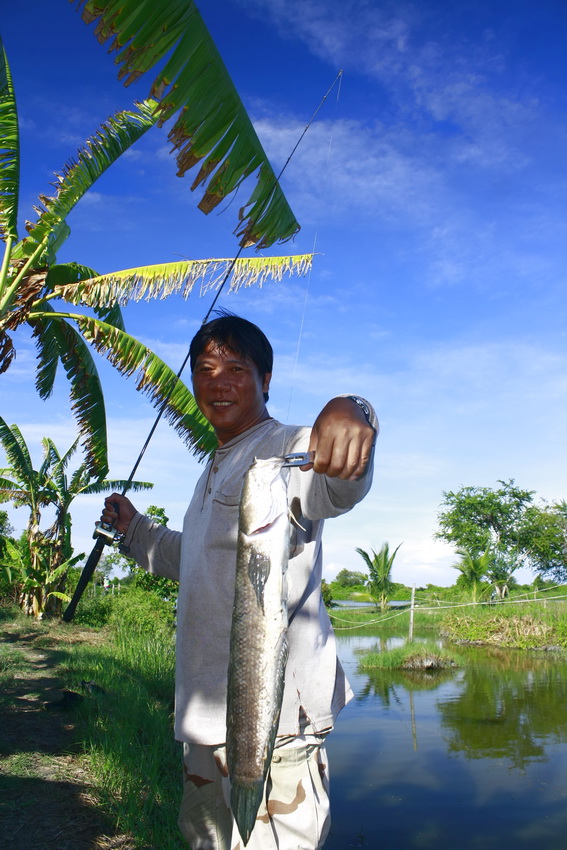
(410, 636)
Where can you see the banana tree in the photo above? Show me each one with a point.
(49, 551)
(35, 289)
(35, 580)
(212, 128)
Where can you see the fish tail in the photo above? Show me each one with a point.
(245, 799)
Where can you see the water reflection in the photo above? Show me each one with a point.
(509, 705)
(473, 757)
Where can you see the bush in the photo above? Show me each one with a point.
(134, 608)
(142, 611)
(358, 592)
(94, 611)
(165, 588)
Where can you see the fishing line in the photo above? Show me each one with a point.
(315, 237)
(107, 534)
(218, 294)
(277, 180)
(224, 280)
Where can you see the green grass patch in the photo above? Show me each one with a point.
(519, 625)
(411, 656)
(124, 731)
(13, 660)
(392, 621)
(515, 630)
(357, 592)
(127, 730)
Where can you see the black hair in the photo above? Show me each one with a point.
(230, 332)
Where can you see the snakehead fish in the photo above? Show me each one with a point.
(258, 645)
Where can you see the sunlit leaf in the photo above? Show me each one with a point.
(115, 136)
(164, 279)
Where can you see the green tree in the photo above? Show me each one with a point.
(380, 582)
(476, 517)
(501, 571)
(6, 528)
(326, 593)
(7, 566)
(473, 569)
(544, 536)
(350, 578)
(506, 519)
(49, 551)
(212, 128)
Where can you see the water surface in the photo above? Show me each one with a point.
(473, 758)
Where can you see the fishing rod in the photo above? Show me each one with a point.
(106, 534)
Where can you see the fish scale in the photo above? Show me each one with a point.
(258, 645)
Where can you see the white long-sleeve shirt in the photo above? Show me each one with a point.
(203, 559)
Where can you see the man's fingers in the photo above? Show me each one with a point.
(342, 458)
(342, 440)
(118, 511)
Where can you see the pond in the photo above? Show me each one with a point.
(471, 758)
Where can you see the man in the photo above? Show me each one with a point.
(231, 364)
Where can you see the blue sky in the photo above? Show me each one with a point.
(432, 187)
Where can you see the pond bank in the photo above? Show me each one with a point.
(525, 625)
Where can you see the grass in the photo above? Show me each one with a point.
(357, 619)
(122, 735)
(518, 622)
(520, 628)
(128, 732)
(410, 656)
(13, 660)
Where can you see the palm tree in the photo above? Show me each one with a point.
(33, 285)
(380, 582)
(49, 551)
(501, 570)
(473, 568)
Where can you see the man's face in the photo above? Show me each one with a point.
(229, 391)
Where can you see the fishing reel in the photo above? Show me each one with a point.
(110, 535)
(107, 532)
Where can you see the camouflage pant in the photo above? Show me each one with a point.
(295, 816)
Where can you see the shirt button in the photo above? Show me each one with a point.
(215, 469)
(276, 758)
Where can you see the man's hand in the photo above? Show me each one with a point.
(342, 440)
(118, 512)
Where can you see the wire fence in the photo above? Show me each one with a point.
(432, 605)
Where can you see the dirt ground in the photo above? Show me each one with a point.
(47, 799)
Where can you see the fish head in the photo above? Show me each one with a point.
(264, 495)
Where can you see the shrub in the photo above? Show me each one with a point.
(142, 611)
(94, 611)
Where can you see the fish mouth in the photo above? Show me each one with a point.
(262, 528)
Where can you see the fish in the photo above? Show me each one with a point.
(258, 642)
